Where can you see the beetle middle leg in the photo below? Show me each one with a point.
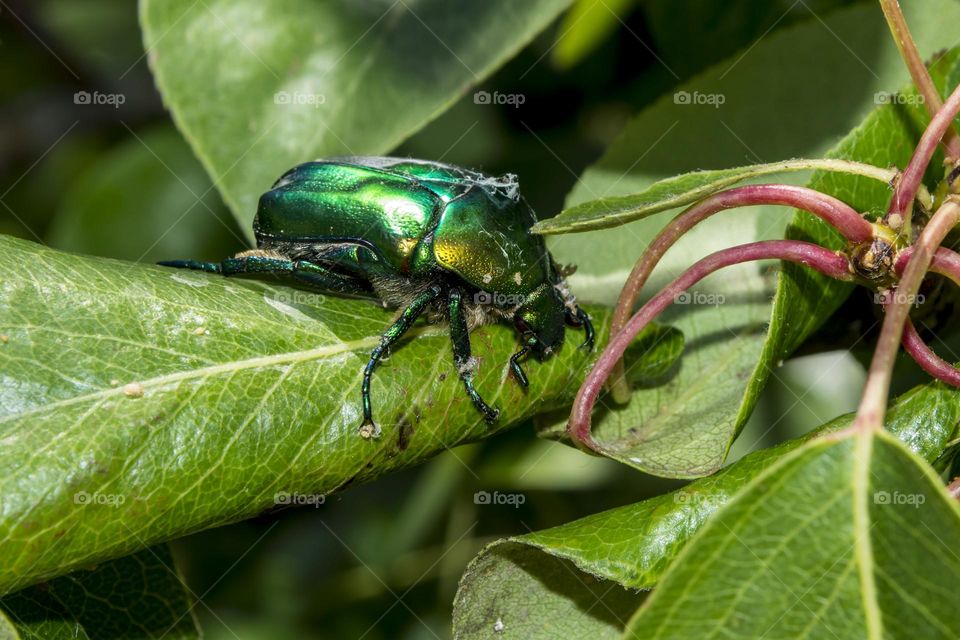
(369, 429)
(460, 342)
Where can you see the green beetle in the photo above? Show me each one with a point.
(424, 237)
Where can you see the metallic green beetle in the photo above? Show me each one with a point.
(424, 237)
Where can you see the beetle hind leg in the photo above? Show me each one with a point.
(195, 265)
(462, 358)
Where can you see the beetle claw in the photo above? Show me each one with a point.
(369, 430)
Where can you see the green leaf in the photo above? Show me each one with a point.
(138, 597)
(632, 546)
(145, 200)
(585, 27)
(684, 428)
(575, 605)
(140, 403)
(683, 190)
(257, 87)
(846, 537)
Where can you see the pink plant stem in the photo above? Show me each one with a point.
(873, 402)
(834, 212)
(954, 488)
(912, 176)
(918, 71)
(823, 260)
(946, 263)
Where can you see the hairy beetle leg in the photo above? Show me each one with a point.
(579, 318)
(517, 370)
(368, 428)
(462, 358)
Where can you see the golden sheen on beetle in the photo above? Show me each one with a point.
(429, 238)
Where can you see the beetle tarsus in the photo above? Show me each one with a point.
(195, 265)
(369, 430)
(580, 318)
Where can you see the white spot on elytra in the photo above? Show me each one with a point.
(498, 626)
(518, 278)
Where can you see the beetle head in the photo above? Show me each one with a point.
(540, 321)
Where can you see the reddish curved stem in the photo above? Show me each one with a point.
(946, 263)
(834, 212)
(876, 391)
(912, 176)
(823, 260)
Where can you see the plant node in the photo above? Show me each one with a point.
(873, 261)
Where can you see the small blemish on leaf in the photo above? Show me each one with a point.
(133, 390)
(4, 339)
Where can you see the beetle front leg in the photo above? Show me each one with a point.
(517, 370)
(460, 342)
(579, 318)
(369, 429)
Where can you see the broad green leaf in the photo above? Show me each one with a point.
(683, 190)
(684, 428)
(585, 27)
(632, 546)
(575, 605)
(139, 403)
(146, 200)
(137, 597)
(846, 537)
(257, 87)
